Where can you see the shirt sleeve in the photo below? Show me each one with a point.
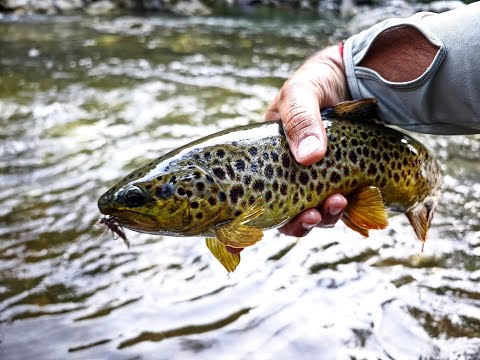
(445, 99)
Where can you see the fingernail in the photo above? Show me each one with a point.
(307, 226)
(334, 211)
(308, 145)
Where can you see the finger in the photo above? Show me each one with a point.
(302, 223)
(332, 209)
(272, 110)
(299, 110)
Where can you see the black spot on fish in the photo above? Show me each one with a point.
(283, 189)
(221, 196)
(407, 183)
(220, 153)
(396, 177)
(212, 201)
(200, 186)
(386, 157)
(197, 175)
(238, 213)
(181, 191)
(275, 185)
(274, 156)
(285, 160)
(253, 151)
(266, 156)
(293, 176)
(269, 172)
(194, 205)
(372, 170)
(240, 165)
(251, 200)
(365, 151)
(313, 173)
(352, 156)
(396, 155)
(364, 135)
(164, 191)
(148, 186)
(286, 174)
(159, 178)
(362, 165)
(338, 154)
(303, 177)
(199, 215)
(405, 162)
(253, 167)
(374, 143)
(189, 193)
(268, 195)
(279, 172)
(309, 197)
(247, 179)
(354, 142)
(335, 177)
(295, 198)
(219, 173)
(344, 143)
(236, 192)
(319, 188)
(209, 178)
(258, 185)
(230, 171)
(346, 171)
(354, 183)
(207, 155)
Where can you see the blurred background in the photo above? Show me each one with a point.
(89, 90)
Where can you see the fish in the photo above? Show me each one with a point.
(232, 185)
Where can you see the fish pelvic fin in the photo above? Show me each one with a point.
(364, 110)
(237, 233)
(228, 260)
(366, 211)
(420, 216)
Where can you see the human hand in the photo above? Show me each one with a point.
(320, 82)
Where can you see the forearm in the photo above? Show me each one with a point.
(423, 70)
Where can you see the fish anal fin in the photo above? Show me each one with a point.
(228, 260)
(237, 233)
(348, 222)
(420, 217)
(364, 110)
(366, 210)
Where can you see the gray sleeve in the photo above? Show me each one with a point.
(445, 99)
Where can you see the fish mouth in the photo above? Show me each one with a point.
(135, 221)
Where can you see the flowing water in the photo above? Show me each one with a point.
(85, 100)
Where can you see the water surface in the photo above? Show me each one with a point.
(84, 100)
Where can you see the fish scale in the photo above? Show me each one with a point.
(234, 183)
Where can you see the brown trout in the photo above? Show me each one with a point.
(232, 185)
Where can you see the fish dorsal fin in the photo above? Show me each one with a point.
(420, 217)
(364, 110)
(236, 233)
(228, 260)
(366, 211)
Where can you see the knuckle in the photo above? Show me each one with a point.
(298, 122)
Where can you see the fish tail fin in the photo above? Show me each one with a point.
(364, 110)
(420, 216)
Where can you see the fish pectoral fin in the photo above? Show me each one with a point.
(364, 110)
(421, 216)
(366, 211)
(348, 222)
(228, 260)
(239, 235)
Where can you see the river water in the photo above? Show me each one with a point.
(85, 100)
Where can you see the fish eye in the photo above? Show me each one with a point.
(134, 197)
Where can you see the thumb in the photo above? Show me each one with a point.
(299, 109)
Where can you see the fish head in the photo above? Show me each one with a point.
(184, 201)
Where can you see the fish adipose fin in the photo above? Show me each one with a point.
(236, 233)
(366, 211)
(420, 217)
(228, 260)
(356, 111)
